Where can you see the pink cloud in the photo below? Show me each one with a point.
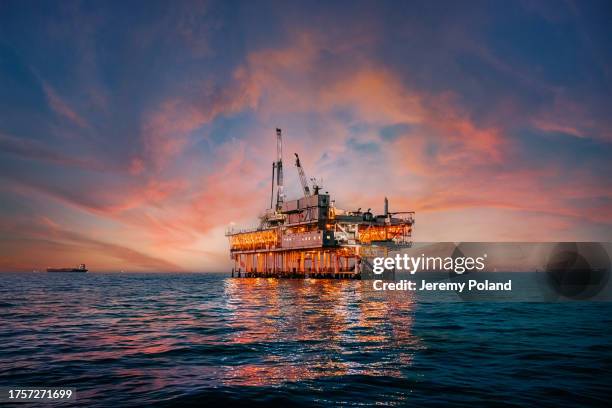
(60, 107)
(43, 241)
(31, 149)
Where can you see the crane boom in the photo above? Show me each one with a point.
(302, 176)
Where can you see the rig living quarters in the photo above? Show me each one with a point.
(310, 237)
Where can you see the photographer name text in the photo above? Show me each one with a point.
(423, 285)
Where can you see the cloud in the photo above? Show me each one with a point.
(166, 131)
(110, 201)
(45, 234)
(59, 106)
(567, 116)
(36, 150)
(31, 149)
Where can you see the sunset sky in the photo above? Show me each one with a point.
(133, 133)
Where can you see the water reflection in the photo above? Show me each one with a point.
(151, 333)
(307, 329)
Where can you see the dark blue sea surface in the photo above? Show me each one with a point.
(206, 339)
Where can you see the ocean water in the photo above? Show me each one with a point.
(207, 339)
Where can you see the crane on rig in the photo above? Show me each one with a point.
(302, 175)
(315, 184)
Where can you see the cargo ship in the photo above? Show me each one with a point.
(81, 268)
(310, 237)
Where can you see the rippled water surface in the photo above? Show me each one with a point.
(194, 339)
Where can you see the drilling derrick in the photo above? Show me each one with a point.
(280, 194)
(311, 237)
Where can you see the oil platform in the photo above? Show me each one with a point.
(311, 238)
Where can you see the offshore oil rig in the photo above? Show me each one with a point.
(311, 238)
